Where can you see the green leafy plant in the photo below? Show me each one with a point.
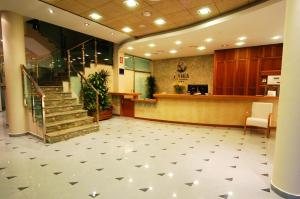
(99, 81)
(179, 88)
(151, 86)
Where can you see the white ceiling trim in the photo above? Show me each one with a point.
(258, 23)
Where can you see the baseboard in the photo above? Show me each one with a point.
(17, 134)
(191, 123)
(282, 193)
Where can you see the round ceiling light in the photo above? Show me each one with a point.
(131, 3)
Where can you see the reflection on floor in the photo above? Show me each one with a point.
(136, 159)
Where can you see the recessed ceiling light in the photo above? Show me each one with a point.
(130, 48)
(204, 11)
(240, 43)
(1, 40)
(178, 42)
(242, 38)
(208, 39)
(106, 59)
(146, 13)
(98, 53)
(159, 21)
(50, 10)
(276, 37)
(147, 54)
(86, 24)
(127, 29)
(173, 51)
(152, 45)
(131, 3)
(95, 16)
(126, 57)
(201, 48)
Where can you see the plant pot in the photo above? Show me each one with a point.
(103, 114)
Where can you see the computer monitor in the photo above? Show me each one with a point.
(198, 88)
(192, 89)
(203, 88)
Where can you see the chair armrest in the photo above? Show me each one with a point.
(269, 119)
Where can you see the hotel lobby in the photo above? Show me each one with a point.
(193, 99)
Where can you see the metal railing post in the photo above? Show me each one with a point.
(96, 56)
(83, 57)
(69, 69)
(44, 118)
(97, 108)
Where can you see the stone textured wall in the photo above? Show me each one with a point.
(199, 68)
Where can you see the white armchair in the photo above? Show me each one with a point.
(260, 116)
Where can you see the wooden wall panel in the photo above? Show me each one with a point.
(245, 69)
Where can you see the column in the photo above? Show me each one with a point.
(286, 171)
(14, 54)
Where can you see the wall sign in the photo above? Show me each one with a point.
(181, 73)
(121, 60)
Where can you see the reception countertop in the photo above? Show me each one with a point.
(224, 110)
(214, 97)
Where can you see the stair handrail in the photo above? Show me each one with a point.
(41, 94)
(80, 44)
(90, 85)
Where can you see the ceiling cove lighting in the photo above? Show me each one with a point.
(147, 54)
(208, 40)
(95, 16)
(130, 48)
(178, 42)
(204, 11)
(160, 21)
(131, 3)
(152, 45)
(276, 37)
(173, 51)
(201, 48)
(127, 29)
(240, 43)
(50, 10)
(242, 38)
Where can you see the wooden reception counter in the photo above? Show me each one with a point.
(223, 110)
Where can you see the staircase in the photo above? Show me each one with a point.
(64, 117)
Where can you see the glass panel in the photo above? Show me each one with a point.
(128, 81)
(128, 62)
(104, 52)
(89, 51)
(76, 58)
(140, 83)
(142, 64)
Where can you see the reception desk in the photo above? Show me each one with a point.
(220, 110)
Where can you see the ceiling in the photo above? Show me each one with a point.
(259, 24)
(177, 13)
(39, 10)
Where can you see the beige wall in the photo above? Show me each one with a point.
(199, 68)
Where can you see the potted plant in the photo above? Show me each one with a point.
(179, 88)
(99, 81)
(151, 86)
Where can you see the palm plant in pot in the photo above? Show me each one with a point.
(99, 81)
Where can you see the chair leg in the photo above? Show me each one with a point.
(268, 132)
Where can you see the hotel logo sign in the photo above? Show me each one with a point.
(181, 74)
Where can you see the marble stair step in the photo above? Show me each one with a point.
(58, 95)
(65, 124)
(62, 108)
(52, 88)
(62, 101)
(52, 117)
(65, 134)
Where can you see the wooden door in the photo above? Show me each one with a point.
(127, 107)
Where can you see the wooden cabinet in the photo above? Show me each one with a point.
(243, 71)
